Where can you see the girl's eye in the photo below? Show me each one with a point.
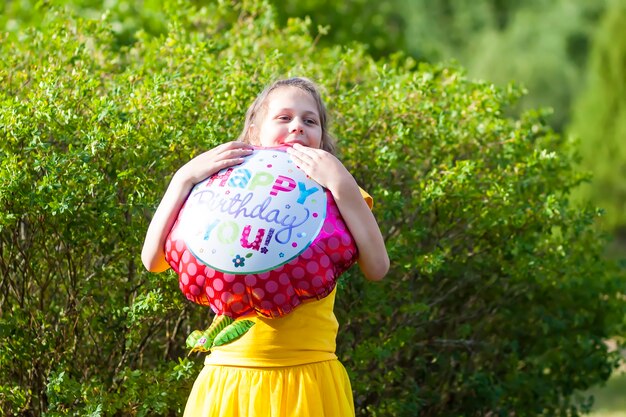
(285, 118)
(311, 121)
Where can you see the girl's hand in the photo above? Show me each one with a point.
(329, 172)
(204, 165)
(323, 167)
(210, 162)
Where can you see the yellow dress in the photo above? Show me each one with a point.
(281, 367)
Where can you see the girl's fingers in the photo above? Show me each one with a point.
(300, 163)
(234, 154)
(230, 150)
(225, 163)
(302, 153)
(303, 149)
(232, 147)
(218, 158)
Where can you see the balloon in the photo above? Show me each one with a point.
(260, 237)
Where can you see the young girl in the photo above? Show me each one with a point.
(282, 366)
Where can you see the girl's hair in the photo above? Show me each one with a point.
(258, 109)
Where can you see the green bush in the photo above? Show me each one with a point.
(498, 300)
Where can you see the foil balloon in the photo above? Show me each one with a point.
(260, 237)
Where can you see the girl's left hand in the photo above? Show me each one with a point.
(321, 166)
(329, 172)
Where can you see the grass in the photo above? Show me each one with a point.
(610, 400)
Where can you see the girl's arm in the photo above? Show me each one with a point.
(329, 172)
(194, 171)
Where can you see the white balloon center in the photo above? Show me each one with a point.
(253, 217)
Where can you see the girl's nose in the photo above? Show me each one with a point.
(296, 127)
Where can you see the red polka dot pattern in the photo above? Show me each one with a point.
(311, 275)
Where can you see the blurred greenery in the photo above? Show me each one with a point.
(600, 123)
(499, 299)
(540, 44)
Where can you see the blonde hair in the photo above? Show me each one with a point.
(258, 109)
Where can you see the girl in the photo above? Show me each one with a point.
(283, 366)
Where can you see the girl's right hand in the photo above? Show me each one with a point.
(208, 163)
(194, 171)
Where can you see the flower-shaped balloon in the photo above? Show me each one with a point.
(260, 238)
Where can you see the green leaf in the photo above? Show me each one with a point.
(233, 332)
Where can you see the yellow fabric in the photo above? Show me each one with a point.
(282, 367)
(368, 198)
(319, 389)
(305, 335)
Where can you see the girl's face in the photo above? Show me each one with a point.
(291, 117)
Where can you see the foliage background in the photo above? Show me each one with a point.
(566, 54)
(500, 296)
